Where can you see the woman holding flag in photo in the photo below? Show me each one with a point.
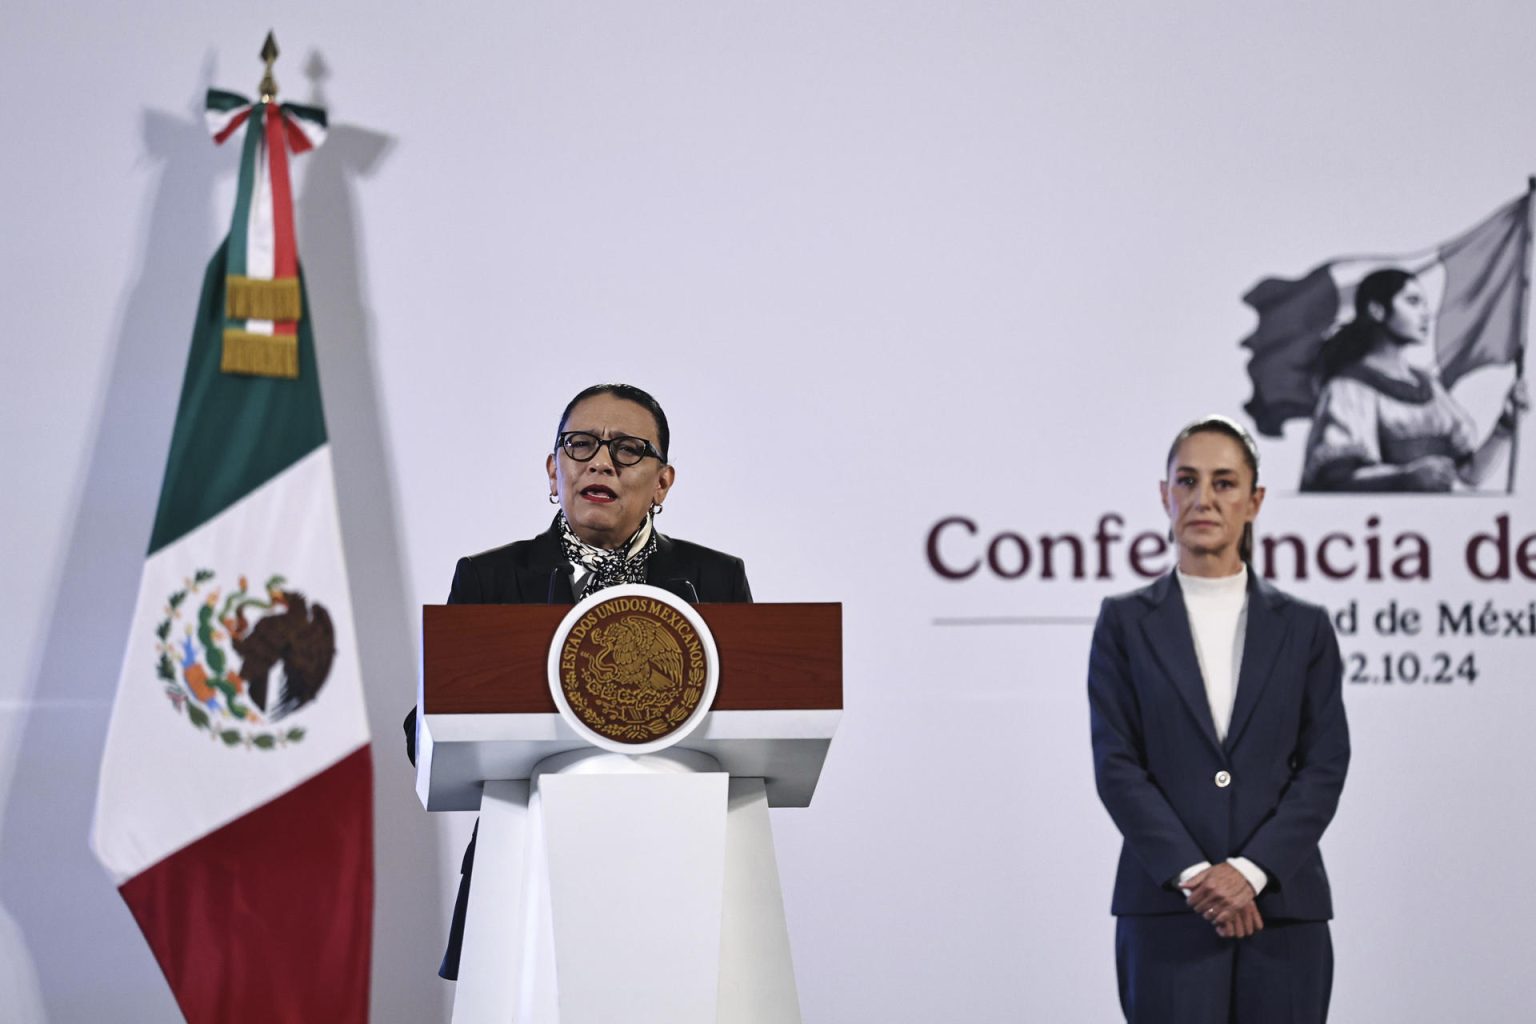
(1382, 424)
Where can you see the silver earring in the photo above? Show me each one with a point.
(554, 499)
(656, 508)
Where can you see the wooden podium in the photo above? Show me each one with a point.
(611, 887)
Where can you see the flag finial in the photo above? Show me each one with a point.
(268, 86)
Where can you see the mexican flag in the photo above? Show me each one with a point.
(234, 809)
(1475, 283)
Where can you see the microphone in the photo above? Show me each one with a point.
(554, 578)
(683, 588)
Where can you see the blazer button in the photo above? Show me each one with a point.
(1223, 779)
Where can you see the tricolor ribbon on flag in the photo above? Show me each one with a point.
(263, 301)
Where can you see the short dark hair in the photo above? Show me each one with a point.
(1215, 423)
(629, 393)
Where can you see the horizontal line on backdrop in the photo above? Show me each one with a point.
(53, 705)
(1018, 620)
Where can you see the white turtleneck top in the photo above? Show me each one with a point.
(1218, 615)
(1218, 621)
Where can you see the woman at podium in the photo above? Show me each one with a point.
(1219, 748)
(608, 472)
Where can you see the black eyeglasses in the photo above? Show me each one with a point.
(581, 446)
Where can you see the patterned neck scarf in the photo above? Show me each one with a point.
(595, 569)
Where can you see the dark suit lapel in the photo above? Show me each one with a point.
(663, 564)
(1173, 645)
(666, 570)
(548, 576)
(1262, 643)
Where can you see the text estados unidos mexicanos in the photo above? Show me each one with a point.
(682, 628)
(959, 549)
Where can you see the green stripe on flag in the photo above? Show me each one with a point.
(222, 99)
(239, 225)
(232, 433)
(306, 112)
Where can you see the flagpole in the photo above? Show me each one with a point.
(267, 89)
(1525, 301)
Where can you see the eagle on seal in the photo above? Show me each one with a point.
(638, 653)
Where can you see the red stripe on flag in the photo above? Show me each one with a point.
(234, 123)
(297, 140)
(270, 918)
(285, 259)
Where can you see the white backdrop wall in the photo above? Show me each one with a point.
(884, 263)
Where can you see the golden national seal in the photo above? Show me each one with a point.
(633, 669)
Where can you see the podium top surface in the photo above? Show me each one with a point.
(488, 714)
(492, 658)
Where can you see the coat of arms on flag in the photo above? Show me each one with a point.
(243, 662)
(1333, 347)
(235, 804)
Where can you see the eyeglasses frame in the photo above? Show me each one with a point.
(649, 453)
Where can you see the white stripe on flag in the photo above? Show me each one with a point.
(218, 120)
(260, 235)
(165, 783)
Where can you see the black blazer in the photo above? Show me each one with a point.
(536, 572)
(1156, 757)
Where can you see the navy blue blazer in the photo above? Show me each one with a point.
(1156, 757)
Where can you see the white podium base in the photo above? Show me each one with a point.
(626, 889)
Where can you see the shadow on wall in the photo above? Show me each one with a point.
(69, 936)
(410, 922)
(89, 957)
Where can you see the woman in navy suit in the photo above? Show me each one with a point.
(610, 476)
(1220, 748)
